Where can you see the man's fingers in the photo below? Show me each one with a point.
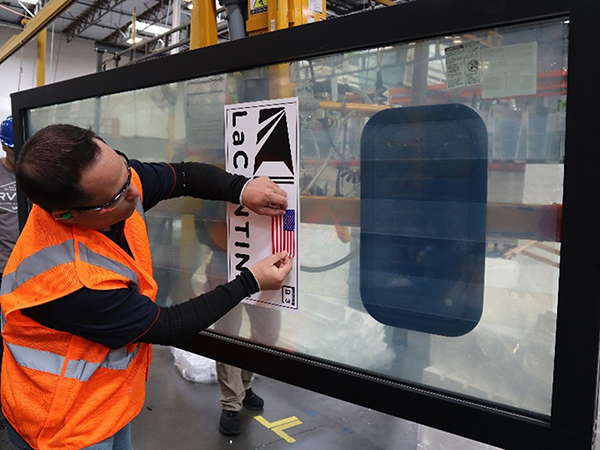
(265, 197)
(277, 201)
(267, 183)
(276, 205)
(266, 211)
(272, 271)
(278, 190)
(277, 257)
(281, 260)
(285, 265)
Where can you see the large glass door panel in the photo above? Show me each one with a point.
(512, 78)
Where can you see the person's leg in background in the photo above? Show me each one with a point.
(236, 383)
(233, 381)
(236, 391)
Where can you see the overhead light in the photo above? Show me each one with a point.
(150, 29)
(137, 40)
(31, 2)
(191, 6)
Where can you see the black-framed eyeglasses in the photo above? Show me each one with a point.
(116, 201)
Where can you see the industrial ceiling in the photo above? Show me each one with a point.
(108, 21)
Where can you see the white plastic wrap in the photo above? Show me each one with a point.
(196, 368)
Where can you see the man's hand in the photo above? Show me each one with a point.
(271, 271)
(264, 197)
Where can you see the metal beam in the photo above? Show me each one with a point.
(154, 14)
(41, 20)
(41, 57)
(90, 17)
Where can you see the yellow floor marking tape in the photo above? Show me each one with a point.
(280, 425)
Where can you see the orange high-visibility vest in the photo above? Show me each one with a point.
(61, 391)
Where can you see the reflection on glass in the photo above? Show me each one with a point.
(507, 358)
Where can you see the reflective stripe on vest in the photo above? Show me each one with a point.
(56, 255)
(139, 207)
(89, 256)
(39, 262)
(81, 370)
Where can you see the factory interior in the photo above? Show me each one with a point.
(434, 152)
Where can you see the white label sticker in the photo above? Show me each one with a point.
(509, 70)
(463, 65)
(315, 6)
(261, 138)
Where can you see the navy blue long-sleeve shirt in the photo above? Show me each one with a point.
(117, 317)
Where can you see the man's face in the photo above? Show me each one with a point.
(10, 153)
(105, 180)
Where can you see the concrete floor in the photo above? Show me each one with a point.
(184, 415)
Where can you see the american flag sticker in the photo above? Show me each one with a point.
(283, 233)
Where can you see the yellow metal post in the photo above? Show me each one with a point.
(41, 58)
(303, 11)
(278, 14)
(133, 27)
(257, 17)
(204, 24)
(271, 15)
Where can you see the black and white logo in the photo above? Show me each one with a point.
(273, 140)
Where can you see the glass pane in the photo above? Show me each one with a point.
(513, 81)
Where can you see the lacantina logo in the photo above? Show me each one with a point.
(273, 141)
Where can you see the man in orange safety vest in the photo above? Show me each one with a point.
(78, 292)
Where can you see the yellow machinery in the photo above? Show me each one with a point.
(271, 15)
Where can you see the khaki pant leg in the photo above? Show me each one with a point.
(233, 382)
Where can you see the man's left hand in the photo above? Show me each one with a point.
(264, 197)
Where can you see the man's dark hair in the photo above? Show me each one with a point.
(51, 163)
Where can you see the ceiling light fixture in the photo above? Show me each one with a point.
(141, 27)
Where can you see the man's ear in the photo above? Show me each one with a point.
(62, 215)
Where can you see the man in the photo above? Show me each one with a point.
(9, 226)
(78, 289)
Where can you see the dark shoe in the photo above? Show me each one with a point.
(230, 423)
(252, 401)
